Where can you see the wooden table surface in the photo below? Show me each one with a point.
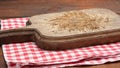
(23, 8)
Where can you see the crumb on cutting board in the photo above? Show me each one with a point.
(79, 21)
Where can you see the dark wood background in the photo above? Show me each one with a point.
(19, 8)
(24, 8)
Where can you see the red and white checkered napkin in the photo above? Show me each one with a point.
(13, 23)
(28, 55)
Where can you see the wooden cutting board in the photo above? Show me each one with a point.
(58, 43)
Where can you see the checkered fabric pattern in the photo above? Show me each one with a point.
(13, 23)
(28, 55)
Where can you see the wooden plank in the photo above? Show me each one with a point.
(21, 8)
